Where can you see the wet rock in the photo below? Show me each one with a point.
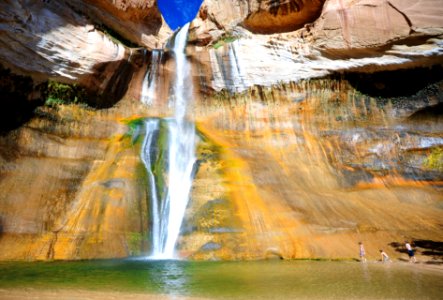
(211, 246)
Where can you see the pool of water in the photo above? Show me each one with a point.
(233, 280)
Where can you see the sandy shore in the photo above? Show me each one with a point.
(62, 294)
(93, 295)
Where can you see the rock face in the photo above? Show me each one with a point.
(65, 45)
(50, 40)
(365, 24)
(296, 171)
(351, 25)
(274, 16)
(271, 16)
(363, 36)
(288, 165)
(136, 20)
(83, 197)
(310, 170)
(263, 17)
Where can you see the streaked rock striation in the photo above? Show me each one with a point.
(71, 187)
(361, 36)
(138, 21)
(289, 165)
(51, 40)
(274, 16)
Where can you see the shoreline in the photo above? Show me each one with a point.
(56, 294)
(300, 279)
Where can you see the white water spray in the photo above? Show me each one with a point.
(168, 216)
(181, 145)
(149, 84)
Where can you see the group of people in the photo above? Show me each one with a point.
(385, 257)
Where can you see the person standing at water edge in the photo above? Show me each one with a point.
(410, 252)
(362, 252)
(384, 256)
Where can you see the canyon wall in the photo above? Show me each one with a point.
(319, 122)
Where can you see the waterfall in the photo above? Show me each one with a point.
(152, 127)
(236, 74)
(150, 81)
(168, 213)
(181, 144)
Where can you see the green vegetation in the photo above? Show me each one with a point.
(225, 39)
(115, 36)
(159, 151)
(133, 125)
(215, 214)
(141, 211)
(434, 161)
(207, 150)
(158, 167)
(135, 240)
(57, 93)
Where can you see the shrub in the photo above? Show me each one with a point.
(434, 160)
(225, 39)
(57, 93)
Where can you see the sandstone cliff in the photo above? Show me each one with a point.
(363, 36)
(52, 40)
(288, 165)
(63, 40)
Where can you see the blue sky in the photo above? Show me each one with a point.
(179, 12)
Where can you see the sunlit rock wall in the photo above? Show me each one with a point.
(72, 187)
(295, 171)
(276, 16)
(309, 170)
(353, 25)
(287, 167)
(51, 40)
(262, 17)
(138, 21)
(363, 36)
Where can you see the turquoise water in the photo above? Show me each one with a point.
(238, 280)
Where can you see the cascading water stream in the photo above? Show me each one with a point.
(150, 81)
(181, 145)
(168, 213)
(152, 127)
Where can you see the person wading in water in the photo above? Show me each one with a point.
(362, 252)
(411, 253)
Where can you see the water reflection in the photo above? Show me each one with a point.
(228, 280)
(365, 272)
(171, 278)
(417, 278)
